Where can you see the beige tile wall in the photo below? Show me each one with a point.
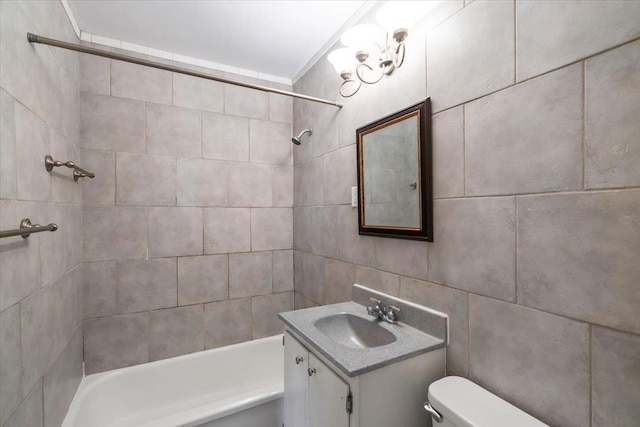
(188, 228)
(536, 150)
(40, 277)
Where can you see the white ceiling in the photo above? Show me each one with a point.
(271, 37)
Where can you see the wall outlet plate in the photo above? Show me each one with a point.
(354, 197)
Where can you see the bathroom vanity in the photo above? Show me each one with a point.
(346, 367)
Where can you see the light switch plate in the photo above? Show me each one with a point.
(354, 197)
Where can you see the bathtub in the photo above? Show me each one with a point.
(239, 385)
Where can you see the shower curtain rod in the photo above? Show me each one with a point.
(34, 38)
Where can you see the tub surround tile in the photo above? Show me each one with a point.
(339, 169)
(202, 182)
(143, 179)
(147, 285)
(310, 270)
(203, 279)
(526, 139)
(225, 137)
(10, 362)
(611, 118)
(280, 108)
(556, 33)
(31, 410)
(250, 274)
(175, 231)
(406, 257)
(176, 331)
(173, 131)
(32, 144)
(103, 164)
(312, 183)
(270, 142)
(282, 271)
(476, 246)
(456, 305)
(95, 75)
(61, 381)
(227, 322)
(271, 228)
(227, 230)
(116, 342)
(250, 185)
(282, 184)
(379, 280)
(99, 281)
(113, 124)
(240, 101)
(264, 313)
(114, 233)
(511, 345)
(301, 302)
(474, 48)
(142, 83)
(615, 362)
(577, 256)
(351, 246)
(53, 254)
(199, 94)
(8, 173)
(339, 277)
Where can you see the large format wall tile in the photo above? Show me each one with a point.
(271, 228)
(250, 274)
(8, 166)
(202, 182)
(142, 83)
(309, 271)
(10, 362)
(280, 108)
(250, 185)
(240, 101)
(227, 230)
(176, 331)
(99, 281)
(448, 153)
(534, 360)
(31, 411)
(173, 131)
(225, 137)
(282, 183)
(264, 313)
(147, 285)
(339, 175)
(116, 342)
(474, 49)
(32, 144)
(145, 180)
(111, 123)
(95, 75)
(556, 33)
(175, 231)
(203, 279)
(455, 304)
(351, 246)
(475, 243)
(114, 233)
(103, 164)
(406, 257)
(199, 94)
(311, 183)
(379, 280)
(270, 142)
(339, 278)
(526, 139)
(227, 322)
(615, 360)
(282, 271)
(611, 118)
(578, 256)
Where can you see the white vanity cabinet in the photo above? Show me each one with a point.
(318, 394)
(314, 395)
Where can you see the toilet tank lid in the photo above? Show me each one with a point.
(466, 404)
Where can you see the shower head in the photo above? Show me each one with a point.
(297, 139)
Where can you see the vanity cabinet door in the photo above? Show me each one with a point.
(296, 375)
(328, 395)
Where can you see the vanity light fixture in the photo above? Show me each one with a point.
(365, 59)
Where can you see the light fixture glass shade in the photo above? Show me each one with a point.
(403, 14)
(342, 59)
(361, 37)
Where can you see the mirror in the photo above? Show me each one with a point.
(394, 175)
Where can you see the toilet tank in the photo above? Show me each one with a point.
(463, 403)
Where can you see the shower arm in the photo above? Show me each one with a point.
(34, 38)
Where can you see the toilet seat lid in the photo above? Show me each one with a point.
(466, 404)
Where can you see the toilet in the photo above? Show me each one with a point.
(458, 402)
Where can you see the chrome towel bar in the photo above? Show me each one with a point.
(26, 228)
(78, 172)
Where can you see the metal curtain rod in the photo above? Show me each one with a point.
(34, 38)
(26, 228)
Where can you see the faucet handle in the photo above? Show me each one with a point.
(394, 308)
(375, 301)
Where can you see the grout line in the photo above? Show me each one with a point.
(516, 249)
(515, 43)
(590, 358)
(584, 125)
(464, 150)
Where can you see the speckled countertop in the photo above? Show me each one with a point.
(410, 341)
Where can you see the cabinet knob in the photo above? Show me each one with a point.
(299, 360)
(311, 371)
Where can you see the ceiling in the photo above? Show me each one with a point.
(271, 37)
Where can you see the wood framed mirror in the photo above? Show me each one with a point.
(395, 196)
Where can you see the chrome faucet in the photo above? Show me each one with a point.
(383, 311)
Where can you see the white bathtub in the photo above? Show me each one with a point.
(235, 386)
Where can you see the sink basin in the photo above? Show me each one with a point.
(354, 331)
